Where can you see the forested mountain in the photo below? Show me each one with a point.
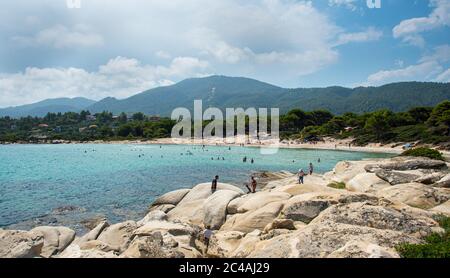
(41, 108)
(223, 92)
(234, 92)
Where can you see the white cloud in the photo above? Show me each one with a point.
(273, 40)
(371, 34)
(440, 54)
(60, 36)
(409, 30)
(120, 77)
(443, 77)
(415, 72)
(349, 4)
(429, 68)
(163, 54)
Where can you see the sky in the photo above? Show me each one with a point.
(116, 48)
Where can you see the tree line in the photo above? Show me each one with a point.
(424, 124)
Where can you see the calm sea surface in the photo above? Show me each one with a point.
(67, 184)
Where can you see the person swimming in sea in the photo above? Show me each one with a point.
(245, 159)
(252, 161)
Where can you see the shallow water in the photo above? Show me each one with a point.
(113, 181)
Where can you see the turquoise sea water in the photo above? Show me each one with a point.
(113, 181)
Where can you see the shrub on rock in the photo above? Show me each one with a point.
(424, 152)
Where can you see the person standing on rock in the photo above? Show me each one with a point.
(207, 237)
(254, 184)
(214, 184)
(301, 175)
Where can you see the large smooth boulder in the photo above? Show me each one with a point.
(171, 198)
(190, 209)
(396, 177)
(260, 199)
(215, 208)
(378, 217)
(118, 235)
(234, 204)
(280, 224)
(444, 182)
(407, 164)
(151, 246)
(203, 191)
(431, 178)
(321, 239)
(153, 215)
(163, 208)
(97, 245)
(176, 229)
(366, 183)
(222, 244)
(361, 249)
(74, 251)
(94, 233)
(56, 239)
(20, 244)
(299, 189)
(415, 195)
(253, 220)
(247, 245)
(442, 209)
(191, 212)
(344, 171)
(306, 207)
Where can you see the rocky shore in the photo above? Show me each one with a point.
(380, 204)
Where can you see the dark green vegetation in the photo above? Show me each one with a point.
(223, 92)
(423, 125)
(337, 185)
(84, 127)
(424, 152)
(436, 246)
(234, 92)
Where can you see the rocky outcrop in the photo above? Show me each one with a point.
(261, 199)
(171, 198)
(367, 183)
(152, 246)
(397, 177)
(306, 207)
(190, 208)
(386, 202)
(56, 239)
(118, 235)
(361, 249)
(416, 195)
(407, 164)
(443, 209)
(253, 220)
(20, 244)
(321, 239)
(215, 208)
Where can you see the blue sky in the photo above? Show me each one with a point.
(119, 48)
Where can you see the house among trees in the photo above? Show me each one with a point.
(91, 118)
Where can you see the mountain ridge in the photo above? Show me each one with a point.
(223, 92)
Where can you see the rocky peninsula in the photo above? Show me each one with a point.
(361, 209)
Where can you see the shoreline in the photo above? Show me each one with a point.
(329, 144)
